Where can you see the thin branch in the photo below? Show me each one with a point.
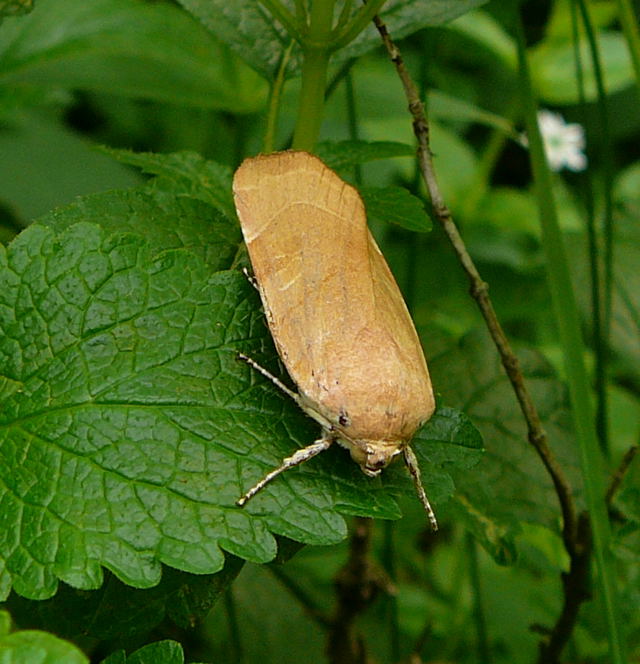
(620, 473)
(576, 590)
(575, 530)
(479, 291)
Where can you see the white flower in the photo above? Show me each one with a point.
(563, 143)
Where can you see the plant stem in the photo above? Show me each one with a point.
(480, 292)
(484, 656)
(284, 16)
(629, 22)
(602, 307)
(358, 23)
(317, 51)
(575, 530)
(389, 565)
(566, 313)
(274, 101)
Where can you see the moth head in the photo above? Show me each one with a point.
(374, 455)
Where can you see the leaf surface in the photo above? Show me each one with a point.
(126, 47)
(248, 29)
(130, 428)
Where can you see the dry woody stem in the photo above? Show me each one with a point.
(575, 529)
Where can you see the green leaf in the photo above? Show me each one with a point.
(495, 533)
(116, 657)
(159, 652)
(31, 647)
(35, 148)
(396, 205)
(343, 155)
(126, 47)
(116, 611)
(553, 68)
(196, 177)
(403, 18)
(135, 428)
(448, 108)
(625, 322)
(510, 484)
(448, 443)
(15, 7)
(488, 36)
(260, 604)
(247, 28)
(164, 221)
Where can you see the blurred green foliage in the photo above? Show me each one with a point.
(187, 85)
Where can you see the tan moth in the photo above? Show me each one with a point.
(335, 313)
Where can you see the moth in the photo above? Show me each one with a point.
(335, 312)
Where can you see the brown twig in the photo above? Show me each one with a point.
(357, 586)
(574, 529)
(575, 584)
(479, 289)
(618, 476)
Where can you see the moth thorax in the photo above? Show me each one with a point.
(374, 455)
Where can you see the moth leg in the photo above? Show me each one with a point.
(298, 457)
(276, 381)
(250, 278)
(412, 464)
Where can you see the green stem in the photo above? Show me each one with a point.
(357, 24)
(483, 651)
(389, 565)
(603, 328)
(274, 101)
(285, 17)
(311, 106)
(566, 314)
(480, 183)
(629, 22)
(317, 51)
(352, 121)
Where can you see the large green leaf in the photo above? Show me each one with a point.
(165, 221)
(396, 205)
(127, 47)
(31, 178)
(253, 34)
(32, 647)
(342, 155)
(117, 612)
(186, 174)
(510, 485)
(553, 68)
(159, 652)
(134, 428)
(15, 7)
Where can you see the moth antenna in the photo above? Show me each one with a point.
(267, 374)
(412, 464)
(297, 458)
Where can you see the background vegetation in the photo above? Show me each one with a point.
(128, 428)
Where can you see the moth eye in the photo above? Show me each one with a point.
(343, 420)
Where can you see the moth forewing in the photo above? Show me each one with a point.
(334, 310)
